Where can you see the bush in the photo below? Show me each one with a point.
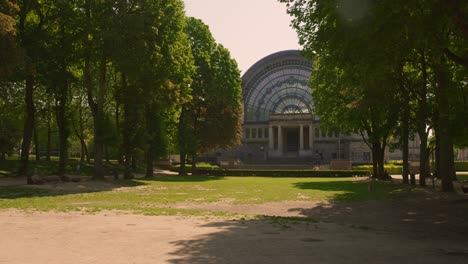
(390, 169)
(284, 173)
(396, 162)
(461, 165)
(200, 166)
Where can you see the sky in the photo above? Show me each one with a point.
(250, 29)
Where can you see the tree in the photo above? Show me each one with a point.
(422, 34)
(211, 120)
(30, 39)
(202, 45)
(60, 30)
(152, 54)
(353, 103)
(10, 124)
(97, 36)
(9, 51)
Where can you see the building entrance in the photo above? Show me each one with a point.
(292, 140)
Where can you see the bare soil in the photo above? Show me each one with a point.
(432, 228)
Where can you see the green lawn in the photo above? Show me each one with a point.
(155, 196)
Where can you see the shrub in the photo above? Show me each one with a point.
(396, 162)
(200, 166)
(390, 169)
(461, 165)
(284, 173)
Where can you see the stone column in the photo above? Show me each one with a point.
(311, 138)
(280, 140)
(271, 138)
(301, 137)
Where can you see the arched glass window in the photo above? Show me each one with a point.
(277, 84)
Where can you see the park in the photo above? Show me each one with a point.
(158, 132)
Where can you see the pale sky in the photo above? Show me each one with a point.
(250, 29)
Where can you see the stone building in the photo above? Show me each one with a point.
(279, 124)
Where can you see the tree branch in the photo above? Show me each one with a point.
(455, 58)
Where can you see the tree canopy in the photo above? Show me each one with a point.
(378, 61)
(110, 80)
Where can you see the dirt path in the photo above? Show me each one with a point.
(428, 229)
(347, 233)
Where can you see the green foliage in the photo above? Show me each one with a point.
(10, 117)
(374, 59)
(391, 169)
(200, 166)
(212, 118)
(461, 165)
(9, 50)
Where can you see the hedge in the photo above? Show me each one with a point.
(394, 169)
(461, 165)
(284, 173)
(390, 169)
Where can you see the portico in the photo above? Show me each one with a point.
(290, 135)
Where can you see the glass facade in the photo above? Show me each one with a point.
(277, 84)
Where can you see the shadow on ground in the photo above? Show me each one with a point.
(18, 188)
(270, 241)
(356, 190)
(14, 188)
(176, 178)
(426, 215)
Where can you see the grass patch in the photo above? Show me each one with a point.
(156, 196)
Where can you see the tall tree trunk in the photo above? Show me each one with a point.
(28, 129)
(378, 163)
(183, 142)
(96, 106)
(61, 116)
(79, 134)
(375, 158)
(98, 116)
(382, 160)
(3, 156)
(36, 142)
(118, 128)
(127, 129)
(49, 132)
(194, 164)
(183, 168)
(442, 92)
(437, 146)
(149, 164)
(106, 152)
(405, 141)
(84, 148)
(422, 115)
(423, 159)
(134, 164)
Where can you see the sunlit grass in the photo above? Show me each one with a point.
(158, 196)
